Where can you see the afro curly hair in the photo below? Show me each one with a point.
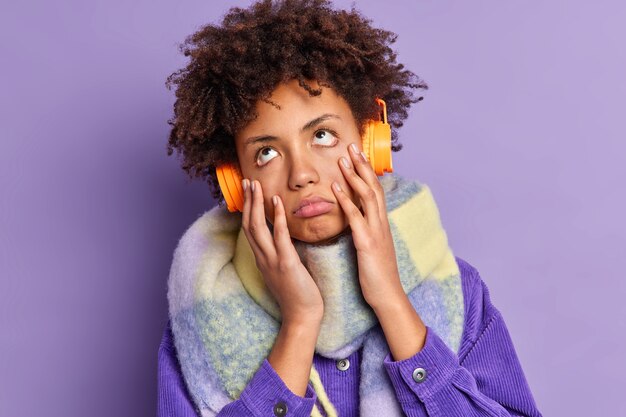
(241, 61)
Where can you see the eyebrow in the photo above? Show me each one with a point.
(308, 126)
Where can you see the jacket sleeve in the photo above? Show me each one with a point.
(173, 397)
(486, 379)
(265, 395)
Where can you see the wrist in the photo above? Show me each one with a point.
(391, 300)
(403, 327)
(302, 324)
(292, 354)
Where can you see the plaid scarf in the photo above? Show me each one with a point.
(225, 320)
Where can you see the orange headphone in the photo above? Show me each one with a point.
(376, 141)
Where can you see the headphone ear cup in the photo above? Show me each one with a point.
(229, 179)
(376, 143)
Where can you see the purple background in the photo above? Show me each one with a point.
(520, 137)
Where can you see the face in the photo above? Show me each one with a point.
(294, 152)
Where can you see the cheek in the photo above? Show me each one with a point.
(268, 205)
(347, 189)
(355, 199)
(268, 191)
(269, 210)
(336, 174)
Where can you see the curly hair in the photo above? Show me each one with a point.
(241, 61)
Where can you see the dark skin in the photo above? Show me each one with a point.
(324, 160)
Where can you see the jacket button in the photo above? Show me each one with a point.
(280, 409)
(419, 375)
(343, 364)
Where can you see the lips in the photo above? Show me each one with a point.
(313, 206)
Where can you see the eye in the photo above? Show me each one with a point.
(326, 136)
(264, 155)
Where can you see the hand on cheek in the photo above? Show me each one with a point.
(284, 274)
(378, 268)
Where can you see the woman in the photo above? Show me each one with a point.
(334, 291)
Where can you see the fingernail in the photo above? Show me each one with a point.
(275, 200)
(345, 163)
(336, 185)
(244, 184)
(354, 148)
(252, 186)
(363, 156)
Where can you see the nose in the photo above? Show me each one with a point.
(303, 172)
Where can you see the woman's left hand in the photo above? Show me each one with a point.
(378, 267)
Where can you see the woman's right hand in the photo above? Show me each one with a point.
(285, 276)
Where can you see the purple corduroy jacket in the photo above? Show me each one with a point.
(484, 379)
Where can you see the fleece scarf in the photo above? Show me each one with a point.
(225, 320)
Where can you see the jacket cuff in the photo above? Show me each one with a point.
(437, 362)
(266, 395)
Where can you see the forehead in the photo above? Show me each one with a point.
(296, 108)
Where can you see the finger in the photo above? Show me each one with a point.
(363, 190)
(355, 218)
(258, 224)
(366, 172)
(245, 217)
(282, 238)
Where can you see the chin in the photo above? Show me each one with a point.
(319, 231)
